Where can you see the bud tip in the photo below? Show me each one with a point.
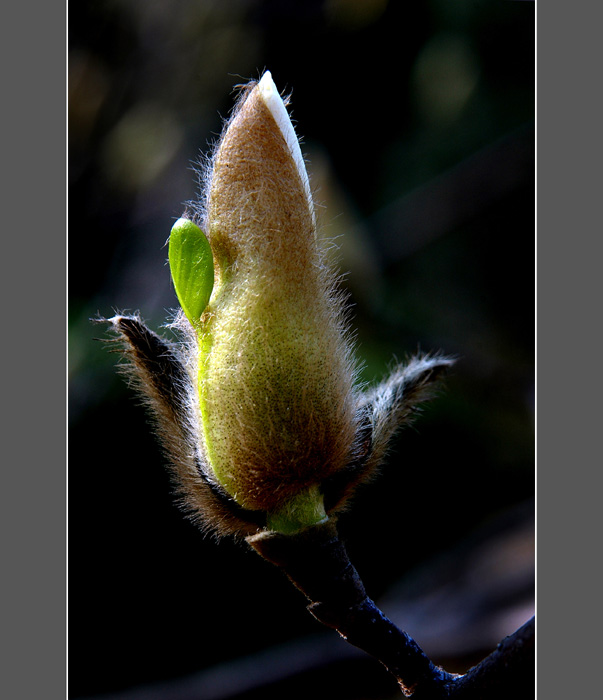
(275, 104)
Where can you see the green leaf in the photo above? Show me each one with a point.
(192, 268)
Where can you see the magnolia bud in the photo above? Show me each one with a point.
(275, 389)
(256, 406)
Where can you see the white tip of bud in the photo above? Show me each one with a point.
(277, 108)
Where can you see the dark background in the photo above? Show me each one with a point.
(417, 122)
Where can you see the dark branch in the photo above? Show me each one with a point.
(316, 561)
(508, 672)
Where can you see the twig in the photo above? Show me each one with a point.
(508, 672)
(316, 561)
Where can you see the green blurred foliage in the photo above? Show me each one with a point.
(417, 122)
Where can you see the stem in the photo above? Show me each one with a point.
(316, 562)
(304, 510)
(508, 672)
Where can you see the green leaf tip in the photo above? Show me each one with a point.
(192, 268)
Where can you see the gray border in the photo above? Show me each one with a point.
(33, 493)
(569, 319)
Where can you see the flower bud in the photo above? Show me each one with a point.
(275, 375)
(256, 406)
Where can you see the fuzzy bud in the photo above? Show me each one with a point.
(256, 405)
(275, 377)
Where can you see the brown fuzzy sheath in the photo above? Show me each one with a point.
(160, 378)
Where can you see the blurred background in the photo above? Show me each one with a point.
(417, 122)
